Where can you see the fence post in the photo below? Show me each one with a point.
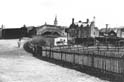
(39, 50)
(61, 55)
(74, 58)
(92, 61)
(34, 50)
(50, 52)
(122, 69)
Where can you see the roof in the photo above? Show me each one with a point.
(48, 25)
(11, 28)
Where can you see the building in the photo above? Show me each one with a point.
(120, 32)
(51, 30)
(60, 41)
(31, 31)
(14, 33)
(117, 32)
(56, 21)
(2, 26)
(83, 29)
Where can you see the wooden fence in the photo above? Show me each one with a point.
(104, 62)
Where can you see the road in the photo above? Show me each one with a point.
(16, 65)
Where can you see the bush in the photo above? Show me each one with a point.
(39, 42)
(43, 41)
(27, 48)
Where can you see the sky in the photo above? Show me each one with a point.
(16, 13)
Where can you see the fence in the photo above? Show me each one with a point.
(100, 62)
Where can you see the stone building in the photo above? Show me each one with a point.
(83, 29)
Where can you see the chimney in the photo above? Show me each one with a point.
(107, 28)
(87, 21)
(79, 23)
(72, 20)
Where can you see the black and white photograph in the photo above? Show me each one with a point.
(61, 41)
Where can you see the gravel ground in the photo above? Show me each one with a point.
(16, 65)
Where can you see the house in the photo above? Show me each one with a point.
(120, 32)
(83, 29)
(112, 34)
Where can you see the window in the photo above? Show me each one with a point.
(94, 33)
